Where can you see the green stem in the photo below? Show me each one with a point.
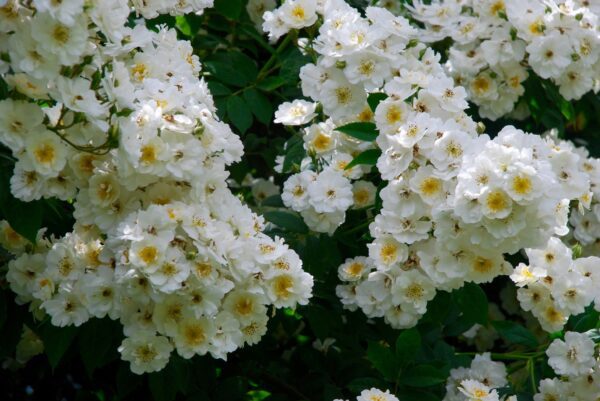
(531, 368)
(267, 66)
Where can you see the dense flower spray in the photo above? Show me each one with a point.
(112, 116)
(454, 200)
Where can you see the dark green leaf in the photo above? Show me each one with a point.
(239, 113)
(473, 303)
(271, 83)
(368, 157)
(260, 105)
(382, 359)
(360, 130)
(407, 346)
(273, 200)
(374, 99)
(294, 153)
(24, 217)
(161, 386)
(584, 321)
(98, 340)
(515, 333)
(56, 341)
(218, 89)
(292, 61)
(358, 385)
(287, 220)
(417, 395)
(231, 9)
(423, 376)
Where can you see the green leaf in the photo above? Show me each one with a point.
(319, 320)
(239, 113)
(218, 89)
(232, 68)
(423, 376)
(416, 395)
(363, 131)
(98, 340)
(584, 321)
(294, 153)
(226, 73)
(473, 303)
(56, 341)
(382, 359)
(161, 385)
(408, 344)
(126, 380)
(273, 200)
(260, 105)
(361, 383)
(24, 217)
(271, 83)
(231, 9)
(287, 220)
(515, 333)
(374, 99)
(182, 24)
(292, 61)
(368, 157)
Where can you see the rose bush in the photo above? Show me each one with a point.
(300, 199)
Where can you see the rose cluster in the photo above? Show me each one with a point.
(497, 42)
(553, 286)
(112, 116)
(479, 381)
(574, 360)
(455, 200)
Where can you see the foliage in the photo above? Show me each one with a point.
(319, 351)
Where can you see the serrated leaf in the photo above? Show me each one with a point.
(473, 303)
(584, 321)
(408, 344)
(239, 113)
(374, 99)
(97, 340)
(231, 9)
(273, 200)
(287, 220)
(515, 333)
(368, 157)
(271, 83)
(218, 89)
(226, 73)
(24, 217)
(294, 153)
(423, 376)
(360, 130)
(56, 341)
(259, 104)
(182, 24)
(361, 383)
(382, 359)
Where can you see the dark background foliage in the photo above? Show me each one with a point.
(249, 77)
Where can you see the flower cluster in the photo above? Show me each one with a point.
(456, 200)
(553, 286)
(374, 394)
(574, 359)
(477, 382)
(495, 42)
(356, 55)
(112, 116)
